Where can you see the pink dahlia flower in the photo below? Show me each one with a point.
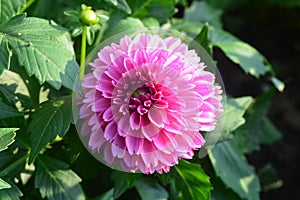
(145, 102)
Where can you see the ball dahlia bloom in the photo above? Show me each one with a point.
(145, 102)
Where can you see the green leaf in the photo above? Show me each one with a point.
(161, 10)
(3, 184)
(234, 111)
(202, 39)
(125, 25)
(149, 189)
(109, 195)
(51, 119)
(278, 84)
(220, 190)
(269, 132)
(248, 135)
(151, 22)
(224, 4)
(239, 52)
(203, 12)
(192, 181)
(7, 136)
(229, 121)
(15, 90)
(122, 5)
(55, 181)
(191, 28)
(231, 166)
(90, 35)
(12, 193)
(41, 48)
(123, 181)
(5, 55)
(7, 111)
(9, 8)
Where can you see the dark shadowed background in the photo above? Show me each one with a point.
(272, 27)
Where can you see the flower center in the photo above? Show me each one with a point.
(143, 98)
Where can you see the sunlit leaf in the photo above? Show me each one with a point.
(6, 137)
(5, 55)
(51, 119)
(231, 166)
(41, 49)
(9, 8)
(55, 180)
(4, 184)
(12, 193)
(278, 84)
(239, 52)
(192, 181)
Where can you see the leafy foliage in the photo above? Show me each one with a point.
(41, 46)
(55, 181)
(123, 181)
(239, 52)
(231, 166)
(234, 111)
(5, 55)
(51, 119)
(11, 193)
(38, 70)
(9, 8)
(3, 184)
(6, 137)
(192, 181)
(150, 189)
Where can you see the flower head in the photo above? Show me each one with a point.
(145, 102)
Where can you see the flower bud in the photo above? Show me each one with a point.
(88, 17)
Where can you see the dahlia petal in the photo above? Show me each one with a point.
(111, 131)
(135, 121)
(149, 159)
(108, 156)
(123, 126)
(117, 151)
(167, 159)
(101, 104)
(108, 115)
(85, 128)
(149, 131)
(96, 140)
(132, 144)
(156, 116)
(145, 101)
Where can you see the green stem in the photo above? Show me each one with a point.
(13, 166)
(83, 52)
(28, 3)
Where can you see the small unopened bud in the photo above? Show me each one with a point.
(88, 17)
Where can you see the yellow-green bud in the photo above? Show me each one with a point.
(88, 17)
